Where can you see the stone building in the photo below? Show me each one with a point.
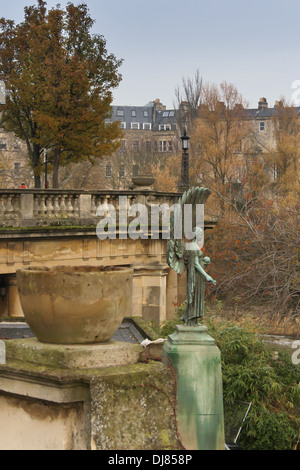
(14, 167)
(262, 120)
(150, 135)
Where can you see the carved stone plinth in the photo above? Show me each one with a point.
(196, 361)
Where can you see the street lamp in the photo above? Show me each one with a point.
(184, 183)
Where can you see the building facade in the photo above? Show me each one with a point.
(151, 134)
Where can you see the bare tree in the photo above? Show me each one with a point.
(187, 101)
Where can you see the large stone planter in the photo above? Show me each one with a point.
(75, 305)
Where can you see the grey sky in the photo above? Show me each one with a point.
(252, 44)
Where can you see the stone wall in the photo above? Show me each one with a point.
(129, 407)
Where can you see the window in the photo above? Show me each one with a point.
(108, 171)
(123, 144)
(166, 114)
(147, 126)
(261, 126)
(135, 125)
(165, 146)
(172, 113)
(122, 125)
(276, 172)
(238, 147)
(122, 171)
(120, 112)
(165, 127)
(148, 145)
(133, 112)
(17, 145)
(135, 145)
(146, 113)
(162, 146)
(17, 166)
(2, 144)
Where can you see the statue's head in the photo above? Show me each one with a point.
(198, 231)
(206, 260)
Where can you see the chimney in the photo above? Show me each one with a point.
(262, 104)
(158, 105)
(278, 104)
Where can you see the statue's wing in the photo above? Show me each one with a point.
(193, 197)
(176, 247)
(175, 255)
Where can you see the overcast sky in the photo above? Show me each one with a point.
(253, 44)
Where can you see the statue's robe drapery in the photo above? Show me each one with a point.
(195, 286)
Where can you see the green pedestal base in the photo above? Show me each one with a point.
(197, 363)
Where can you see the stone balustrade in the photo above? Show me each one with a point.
(36, 208)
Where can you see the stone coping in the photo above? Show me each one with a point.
(87, 356)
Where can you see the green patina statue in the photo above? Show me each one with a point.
(183, 254)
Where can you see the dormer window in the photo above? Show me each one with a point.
(120, 112)
(135, 125)
(165, 127)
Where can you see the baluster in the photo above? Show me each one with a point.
(43, 207)
(2, 207)
(129, 204)
(116, 204)
(93, 205)
(36, 203)
(63, 208)
(56, 208)
(69, 204)
(49, 205)
(8, 206)
(16, 206)
(76, 206)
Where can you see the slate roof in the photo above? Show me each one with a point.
(137, 114)
(264, 113)
(144, 115)
(148, 114)
(164, 117)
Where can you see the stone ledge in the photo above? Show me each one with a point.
(102, 355)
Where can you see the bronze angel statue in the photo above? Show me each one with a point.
(185, 253)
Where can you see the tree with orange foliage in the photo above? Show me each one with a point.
(59, 80)
(223, 137)
(283, 159)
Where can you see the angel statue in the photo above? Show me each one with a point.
(186, 254)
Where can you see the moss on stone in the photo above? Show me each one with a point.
(146, 327)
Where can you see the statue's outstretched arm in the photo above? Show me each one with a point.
(201, 270)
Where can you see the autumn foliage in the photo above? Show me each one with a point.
(59, 80)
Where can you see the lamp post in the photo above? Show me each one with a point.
(184, 183)
(46, 162)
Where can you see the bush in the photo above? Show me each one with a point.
(250, 374)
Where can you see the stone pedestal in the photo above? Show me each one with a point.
(196, 361)
(84, 397)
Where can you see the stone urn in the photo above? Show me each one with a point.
(75, 305)
(143, 182)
